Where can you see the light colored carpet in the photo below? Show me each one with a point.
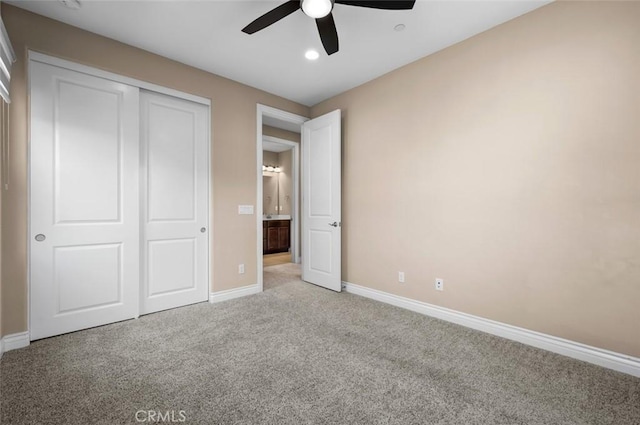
(300, 354)
(281, 274)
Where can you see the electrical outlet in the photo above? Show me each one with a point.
(241, 269)
(401, 277)
(439, 285)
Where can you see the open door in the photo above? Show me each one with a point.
(321, 204)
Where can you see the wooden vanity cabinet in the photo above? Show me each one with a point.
(275, 236)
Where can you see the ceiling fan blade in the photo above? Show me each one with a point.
(328, 33)
(272, 16)
(380, 4)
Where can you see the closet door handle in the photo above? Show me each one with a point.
(203, 229)
(40, 237)
(334, 224)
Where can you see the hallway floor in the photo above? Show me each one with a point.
(275, 259)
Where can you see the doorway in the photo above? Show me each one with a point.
(320, 210)
(280, 205)
(277, 217)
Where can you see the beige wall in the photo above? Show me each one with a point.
(270, 158)
(233, 121)
(281, 134)
(509, 166)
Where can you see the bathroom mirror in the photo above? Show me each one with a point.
(277, 184)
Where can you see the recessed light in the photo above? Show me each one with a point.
(399, 27)
(311, 55)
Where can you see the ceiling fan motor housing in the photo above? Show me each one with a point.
(316, 8)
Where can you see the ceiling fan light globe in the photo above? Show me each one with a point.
(316, 8)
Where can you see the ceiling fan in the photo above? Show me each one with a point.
(320, 10)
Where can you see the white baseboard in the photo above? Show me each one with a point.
(229, 294)
(609, 359)
(13, 342)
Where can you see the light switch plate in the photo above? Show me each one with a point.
(245, 209)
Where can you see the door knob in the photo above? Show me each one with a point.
(203, 229)
(334, 224)
(40, 237)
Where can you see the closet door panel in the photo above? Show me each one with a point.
(172, 169)
(84, 214)
(175, 137)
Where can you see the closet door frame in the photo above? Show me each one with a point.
(34, 56)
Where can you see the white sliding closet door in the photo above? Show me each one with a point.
(175, 193)
(84, 212)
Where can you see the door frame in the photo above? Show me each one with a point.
(295, 201)
(268, 111)
(33, 56)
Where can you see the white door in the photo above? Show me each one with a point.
(175, 135)
(84, 218)
(321, 206)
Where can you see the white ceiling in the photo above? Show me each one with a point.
(279, 123)
(275, 147)
(207, 35)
